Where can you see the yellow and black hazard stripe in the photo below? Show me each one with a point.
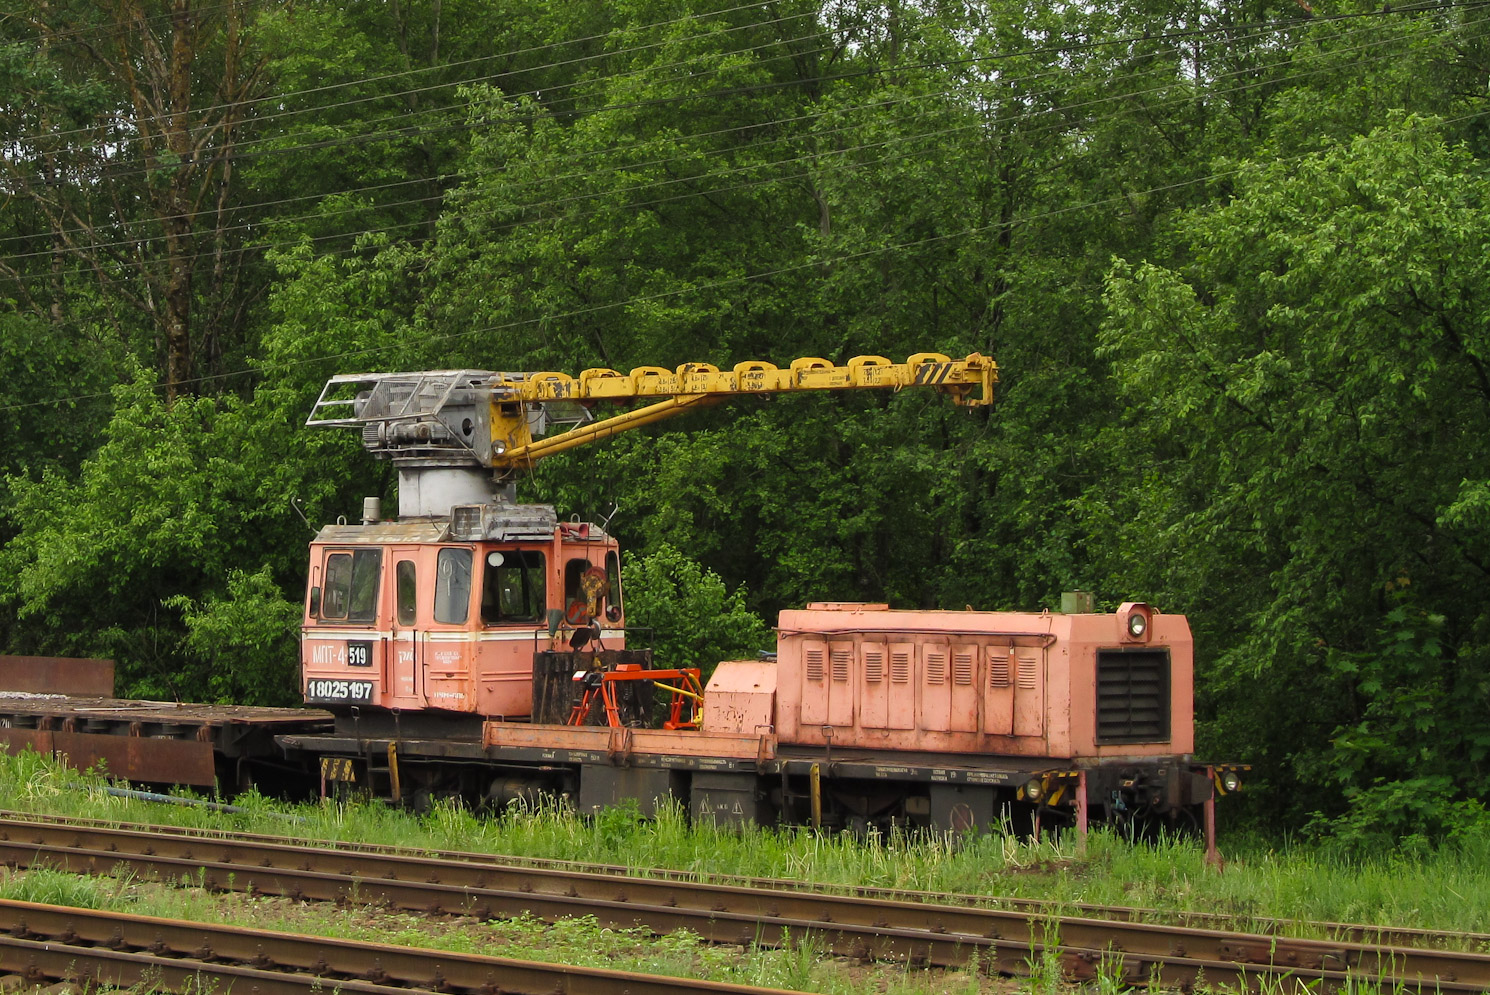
(933, 373)
(338, 769)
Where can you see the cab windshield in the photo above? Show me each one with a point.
(512, 588)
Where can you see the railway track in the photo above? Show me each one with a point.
(1393, 936)
(856, 926)
(47, 943)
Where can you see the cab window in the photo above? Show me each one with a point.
(453, 586)
(613, 577)
(366, 565)
(586, 588)
(408, 592)
(338, 585)
(512, 586)
(351, 590)
(573, 571)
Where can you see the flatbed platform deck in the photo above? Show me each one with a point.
(162, 713)
(618, 751)
(151, 741)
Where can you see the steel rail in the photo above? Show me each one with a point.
(914, 932)
(1380, 935)
(1339, 931)
(48, 942)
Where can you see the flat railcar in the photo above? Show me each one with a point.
(64, 708)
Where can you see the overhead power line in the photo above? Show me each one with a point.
(291, 95)
(1061, 47)
(910, 138)
(1119, 200)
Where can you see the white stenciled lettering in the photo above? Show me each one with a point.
(337, 690)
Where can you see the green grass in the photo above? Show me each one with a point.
(1261, 879)
(50, 887)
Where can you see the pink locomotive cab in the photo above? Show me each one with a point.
(469, 604)
(450, 615)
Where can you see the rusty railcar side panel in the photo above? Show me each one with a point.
(137, 758)
(57, 675)
(17, 741)
(159, 742)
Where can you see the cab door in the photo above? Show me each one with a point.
(403, 669)
(449, 639)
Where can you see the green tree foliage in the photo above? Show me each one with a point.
(121, 135)
(246, 639)
(177, 499)
(56, 386)
(697, 621)
(1311, 391)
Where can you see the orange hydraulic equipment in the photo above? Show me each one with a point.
(684, 709)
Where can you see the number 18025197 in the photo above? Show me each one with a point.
(338, 690)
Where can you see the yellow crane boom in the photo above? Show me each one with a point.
(502, 421)
(969, 381)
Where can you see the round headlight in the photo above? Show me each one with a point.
(1034, 789)
(1231, 781)
(1137, 624)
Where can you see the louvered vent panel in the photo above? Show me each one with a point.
(900, 667)
(998, 669)
(1029, 671)
(1133, 696)
(841, 658)
(936, 668)
(874, 666)
(962, 668)
(814, 665)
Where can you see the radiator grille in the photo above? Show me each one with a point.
(814, 665)
(998, 668)
(1132, 696)
(841, 658)
(900, 667)
(936, 668)
(874, 666)
(465, 522)
(1029, 671)
(962, 668)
